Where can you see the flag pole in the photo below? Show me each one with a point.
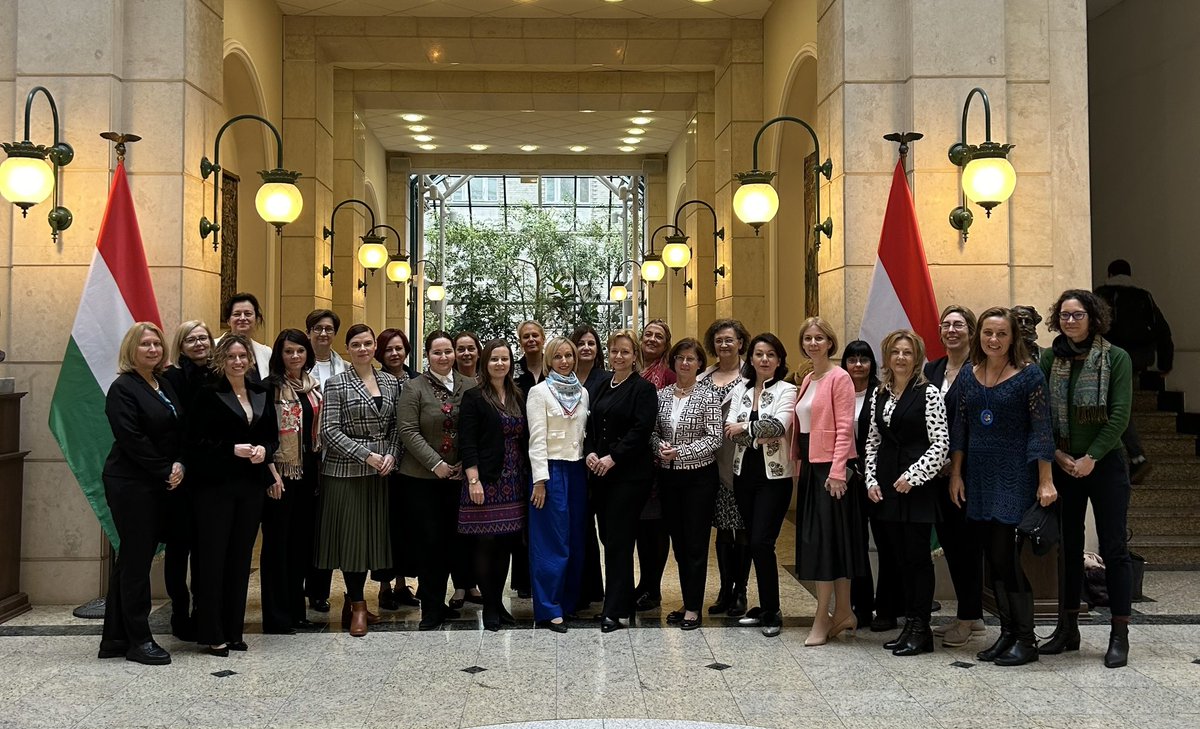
(94, 609)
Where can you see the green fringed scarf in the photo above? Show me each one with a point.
(1090, 401)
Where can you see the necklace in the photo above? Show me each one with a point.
(614, 384)
(986, 416)
(684, 392)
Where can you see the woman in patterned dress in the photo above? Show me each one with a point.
(907, 446)
(1002, 438)
(495, 447)
(726, 339)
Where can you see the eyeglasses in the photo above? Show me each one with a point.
(1072, 315)
(196, 340)
(953, 325)
(862, 361)
(686, 359)
(323, 330)
(725, 342)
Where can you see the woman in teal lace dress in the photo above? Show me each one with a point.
(1001, 450)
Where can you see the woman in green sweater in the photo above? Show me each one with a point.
(1091, 394)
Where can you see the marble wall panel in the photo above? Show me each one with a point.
(64, 48)
(876, 45)
(62, 582)
(158, 201)
(85, 193)
(202, 47)
(150, 33)
(1030, 213)
(8, 41)
(831, 39)
(871, 111)
(1026, 36)
(940, 47)
(974, 286)
(937, 105)
(866, 198)
(935, 195)
(155, 110)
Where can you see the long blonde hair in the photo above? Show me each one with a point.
(886, 377)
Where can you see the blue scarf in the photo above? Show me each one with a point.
(566, 390)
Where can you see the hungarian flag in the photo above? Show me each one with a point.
(117, 293)
(901, 295)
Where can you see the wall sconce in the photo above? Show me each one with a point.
(373, 254)
(327, 234)
(278, 201)
(719, 271)
(397, 270)
(756, 201)
(988, 178)
(362, 285)
(26, 178)
(654, 266)
(436, 290)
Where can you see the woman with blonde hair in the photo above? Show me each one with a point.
(557, 410)
(144, 464)
(620, 460)
(830, 546)
(907, 445)
(191, 348)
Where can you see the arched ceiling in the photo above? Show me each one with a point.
(624, 9)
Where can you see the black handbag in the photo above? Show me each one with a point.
(1039, 526)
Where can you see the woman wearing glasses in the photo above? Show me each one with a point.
(1091, 396)
(685, 441)
(960, 543)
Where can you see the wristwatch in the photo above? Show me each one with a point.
(473, 481)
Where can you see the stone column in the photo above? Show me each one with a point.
(908, 66)
(396, 301)
(697, 221)
(308, 147)
(112, 66)
(348, 182)
(737, 115)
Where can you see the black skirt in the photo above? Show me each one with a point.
(830, 541)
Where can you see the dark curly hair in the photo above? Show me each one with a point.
(710, 336)
(1099, 315)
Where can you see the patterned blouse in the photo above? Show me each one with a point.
(930, 463)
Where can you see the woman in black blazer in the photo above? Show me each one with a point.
(687, 434)
(494, 444)
(143, 465)
(232, 435)
(908, 445)
(187, 373)
(620, 460)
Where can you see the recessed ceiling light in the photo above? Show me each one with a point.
(529, 147)
(428, 147)
(587, 111)
(645, 111)
(478, 147)
(418, 128)
(641, 120)
(631, 140)
(578, 148)
(612, 1)
(702, 1)
(411, 117)
(628, 149)
(423, 138)
(526, 111)
(635, 131)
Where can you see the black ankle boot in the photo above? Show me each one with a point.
(905, 632)
(737, 607)
(919, 640)
(1007, 636)
(1118, 644)
(1024, 648)
(1065, 636)
(724, 600)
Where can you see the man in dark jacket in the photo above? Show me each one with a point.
(1139, 328)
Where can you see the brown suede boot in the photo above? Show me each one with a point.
(358, 619)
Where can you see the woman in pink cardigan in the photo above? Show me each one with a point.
(829, 540)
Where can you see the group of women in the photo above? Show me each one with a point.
(484, 461)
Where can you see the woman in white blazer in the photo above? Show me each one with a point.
(761, 412)
(557, 410)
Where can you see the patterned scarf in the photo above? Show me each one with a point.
(289, 458)
(566, 390)
(1090, 403)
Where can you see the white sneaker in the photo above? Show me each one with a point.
(961, 631)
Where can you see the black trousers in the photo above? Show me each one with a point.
(591, 589)
(688, 501)
(519, 549)
(910, 543)
(286, 554)
(889, 587)
(1107, 486)
(862, 588)
(462, 561)
(964, 553)
(999, 549)
(653, 542)
(227, 519)
(764, 503)
(139, 511)
(433, 504)
(179, 538)
(620, 498)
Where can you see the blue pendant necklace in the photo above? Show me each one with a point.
(986, 416)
